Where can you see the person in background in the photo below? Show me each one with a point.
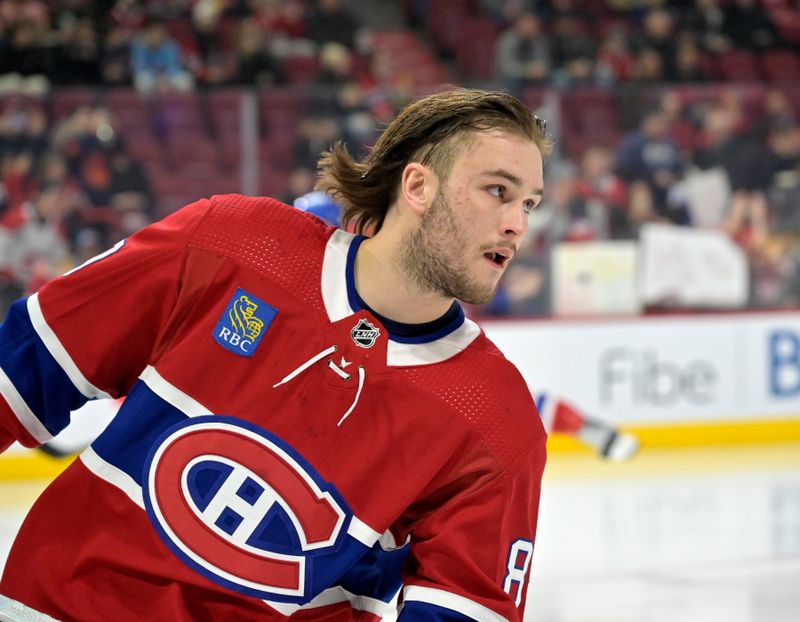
(650, 155)
(330, 22)
(157, 63)
(524, 53)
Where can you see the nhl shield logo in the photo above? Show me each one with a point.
(364, 334)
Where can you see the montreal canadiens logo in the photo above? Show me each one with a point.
(364, 334)
(241, 507)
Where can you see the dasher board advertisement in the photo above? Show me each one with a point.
(663, 369)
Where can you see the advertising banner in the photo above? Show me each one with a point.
(663, 369)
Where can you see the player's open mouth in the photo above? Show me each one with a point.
(499, 258)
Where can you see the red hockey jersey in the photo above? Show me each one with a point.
(282, 451)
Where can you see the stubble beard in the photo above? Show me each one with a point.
(434, 255)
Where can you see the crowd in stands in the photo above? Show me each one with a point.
(571, 44)
(68, 191)
(70, 185)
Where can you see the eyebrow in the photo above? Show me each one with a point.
(501, 172)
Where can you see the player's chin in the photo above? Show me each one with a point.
(480, 295)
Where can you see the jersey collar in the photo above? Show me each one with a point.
(409, 344)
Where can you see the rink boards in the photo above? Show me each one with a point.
(674, 380)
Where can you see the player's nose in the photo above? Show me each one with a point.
(514, 224)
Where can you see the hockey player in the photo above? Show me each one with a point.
(311, 423)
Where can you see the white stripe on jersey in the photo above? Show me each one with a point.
(362, 532)
(333, 285)
(172, 394)
(102, 255)
(335, 595)
(451, 601)
(112, 475)
(21, 410)
(58, 352)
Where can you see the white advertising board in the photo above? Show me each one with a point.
(595, 277)
(664, 369)
(690, 267)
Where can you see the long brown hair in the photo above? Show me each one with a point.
(431, 131)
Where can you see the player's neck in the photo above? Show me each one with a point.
(384, 285)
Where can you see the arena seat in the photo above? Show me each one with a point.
(738, 65)
(780, 66)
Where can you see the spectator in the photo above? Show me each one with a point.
(687, 66)
(783, 149)
(570, 217)
(784, 197)
(723, 143)
(205, 20)
(282, 19)
(115, 62)
(523, 53)
(78, 58)
(156, 62)
(648, 67)
(335, 66)
(23, 139)
(255, 64)
(314, 135)
(777, 113)
(129, 187)
(658, 35)
(614, 59)
(604, 192)
(330, 22)
(746, 162)
(649, 154)
(747, 25)
(130, 15)
(27, 54)
(39, 250)
(703, 21)
(573, 51)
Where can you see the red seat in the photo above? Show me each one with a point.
(300, 69)
(446, 21)
(738, 65)
(780, 66)
(475, 51)
(787, 21)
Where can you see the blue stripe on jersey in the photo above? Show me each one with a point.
(416, 611)
(143, 417)
(377, 574)
(39, 379)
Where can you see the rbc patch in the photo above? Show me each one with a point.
(243, 323)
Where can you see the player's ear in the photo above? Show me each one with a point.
(418, 186)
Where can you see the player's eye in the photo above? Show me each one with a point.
(497, 191)
(529, 205)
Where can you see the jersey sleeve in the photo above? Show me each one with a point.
(90, 332)
(471, 558)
